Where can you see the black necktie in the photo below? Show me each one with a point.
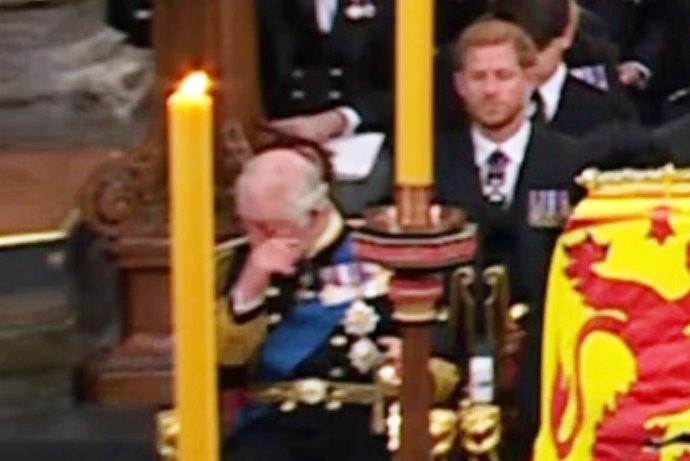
(496, 178)
(539, 114)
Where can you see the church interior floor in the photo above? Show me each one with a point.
(81, 433)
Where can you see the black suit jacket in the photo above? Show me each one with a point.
(617, 17)
(583, 108)
(663, 45)
(673, 139)
(305, 71)
(550, 162)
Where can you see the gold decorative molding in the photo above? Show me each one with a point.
(496, 303)
(167, 435)
(45, 236)
(667, 180)
(480, 429)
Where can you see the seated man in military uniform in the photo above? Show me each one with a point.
(314, 316)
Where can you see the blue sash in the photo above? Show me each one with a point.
(344, 253)
(307, 326)
(300, 333)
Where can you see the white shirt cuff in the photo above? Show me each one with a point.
(643, 70)
(352, 120)
(241, 306)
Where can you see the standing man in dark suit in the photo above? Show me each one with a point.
(327, 65)
(571, 103)
(513, 177)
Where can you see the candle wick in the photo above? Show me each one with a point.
(195, 84)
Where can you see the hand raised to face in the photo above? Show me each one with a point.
(277, 255)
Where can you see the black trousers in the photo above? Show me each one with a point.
(309, 434)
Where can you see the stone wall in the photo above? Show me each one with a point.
(63, 67)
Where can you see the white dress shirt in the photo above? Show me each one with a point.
(325, 14)
(514, 148)
(550, 91)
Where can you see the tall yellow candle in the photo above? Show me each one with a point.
(190, 142)
(414, 92)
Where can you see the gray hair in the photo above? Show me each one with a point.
(292, 181)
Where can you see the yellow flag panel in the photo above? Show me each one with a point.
(616, 348)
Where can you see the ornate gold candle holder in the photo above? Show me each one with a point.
(418, 241)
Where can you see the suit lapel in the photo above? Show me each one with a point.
(518, 207)
(563, 119)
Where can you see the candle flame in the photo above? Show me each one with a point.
(195, 84)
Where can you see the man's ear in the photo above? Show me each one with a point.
(570, 31)
(459, 83)
(565, 41)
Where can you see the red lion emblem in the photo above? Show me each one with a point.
(655, 331)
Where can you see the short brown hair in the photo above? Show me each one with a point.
(490, 31)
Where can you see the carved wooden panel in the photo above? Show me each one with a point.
(126, 200)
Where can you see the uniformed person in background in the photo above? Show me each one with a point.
(327, 65)
(315, 318)
(571, 102)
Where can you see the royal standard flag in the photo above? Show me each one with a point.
(616, 348)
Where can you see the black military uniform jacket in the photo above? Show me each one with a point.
(507, 236)
(322, 327)
(321, 324)
(331, 281)
(305, 70)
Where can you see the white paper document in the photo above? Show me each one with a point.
(354, 156)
